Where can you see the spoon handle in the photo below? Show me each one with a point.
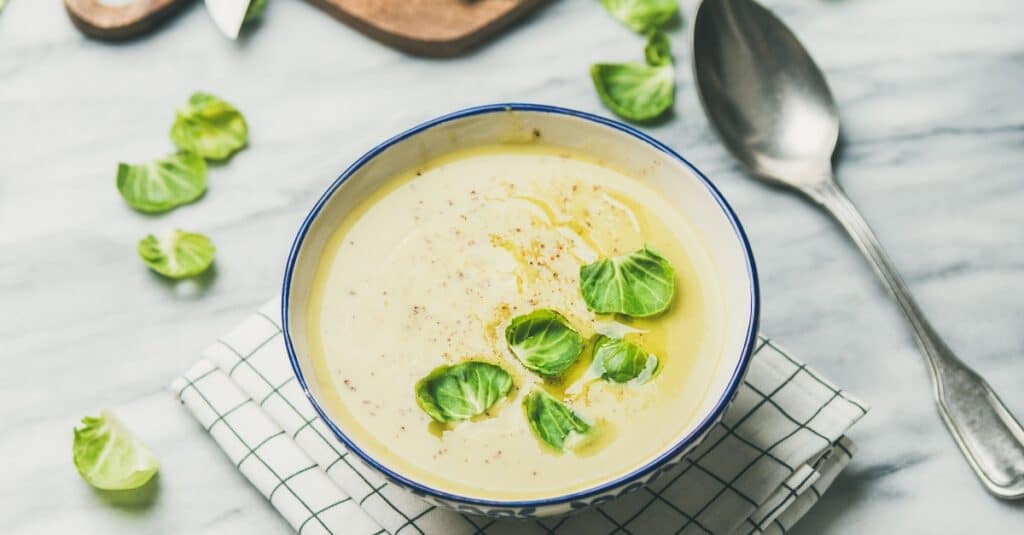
(984, 429)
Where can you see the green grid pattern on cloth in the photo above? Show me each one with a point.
(778, 447)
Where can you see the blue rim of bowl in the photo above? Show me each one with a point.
(682, 444)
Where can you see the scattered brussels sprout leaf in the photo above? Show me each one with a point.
(209, 127)
(178, 255)
(109, 457)
(254, 11)
(657, 51)
(635, 91)
(163, 184)
(642, 15)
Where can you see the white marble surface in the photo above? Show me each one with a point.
(930, 94)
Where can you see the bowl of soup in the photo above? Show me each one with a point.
(520, 309)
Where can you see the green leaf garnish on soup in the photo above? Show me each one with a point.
(638, 284)
(462, 391)
(642, 15)
(551, 420)
(544, 342)
(109, 457)
(209, 127)
(163, 184)
(657, 52)
(178, 255)
(620, 361)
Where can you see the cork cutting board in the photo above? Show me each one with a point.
(422, 27)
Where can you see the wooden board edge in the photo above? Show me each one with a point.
(116, 22)
(431, 48)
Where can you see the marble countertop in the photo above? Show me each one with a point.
(930, 96)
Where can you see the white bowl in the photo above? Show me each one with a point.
(615, 143)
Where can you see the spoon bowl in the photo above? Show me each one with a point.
(763, 93)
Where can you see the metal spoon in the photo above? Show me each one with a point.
(772, 109)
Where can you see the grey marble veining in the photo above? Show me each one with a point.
(933, 130)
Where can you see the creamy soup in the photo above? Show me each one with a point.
(430, 269)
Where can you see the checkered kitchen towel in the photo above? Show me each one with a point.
(779, 446)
